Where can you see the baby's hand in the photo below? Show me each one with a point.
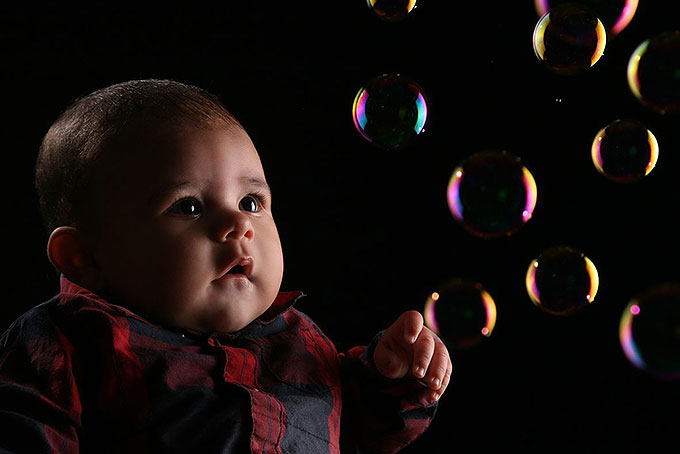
(409, 347)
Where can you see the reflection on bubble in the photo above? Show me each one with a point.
(649, 331)
(654, 72)
(615, 14)
(390, 111)
(461, 312)
(569, 39)
(561, 280)
(492, 194)
(391, 10)
(625, 151)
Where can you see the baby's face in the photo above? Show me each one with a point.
(188, 238)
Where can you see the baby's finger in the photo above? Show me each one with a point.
(411, 324)
(406, 329)
(446, 379)
(439, 365)
(423, 349)
(437, 393)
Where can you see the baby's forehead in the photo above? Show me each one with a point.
(161, 152)
(164, 139)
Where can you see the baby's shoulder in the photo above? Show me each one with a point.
(304, 325)
(37, 322)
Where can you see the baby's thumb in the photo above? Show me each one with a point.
(388, 362)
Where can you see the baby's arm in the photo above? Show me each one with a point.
(39, 403)
(389, 400)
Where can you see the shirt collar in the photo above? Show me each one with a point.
(283, 302)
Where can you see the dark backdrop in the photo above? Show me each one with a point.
(367, 232)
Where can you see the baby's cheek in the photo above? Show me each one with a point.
(272, 274)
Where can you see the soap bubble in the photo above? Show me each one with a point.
(569, 39)
(461, 312)
(391, 10)
(561, 280)
(615, 14)
(390, 111)
(649, 331)
(492, 194)
(625, 151)
(654, 72)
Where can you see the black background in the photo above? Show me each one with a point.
(366, 232)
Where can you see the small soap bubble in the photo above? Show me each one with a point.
(654, 72)
(492, 194)
(390, 111)
(649, 331)
(461, 312)
(391, 10)
(562, 280)
(625, 151)
(569, 39)
(615, 14)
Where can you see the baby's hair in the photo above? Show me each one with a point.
(63, 171)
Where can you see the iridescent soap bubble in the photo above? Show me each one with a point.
(569, 39)
(649, 330)
(461, 312)
(391, 10)
(390, 111)
(615, 14)
(492, 194)
(654, 72)
(562, 280)
(625, 151)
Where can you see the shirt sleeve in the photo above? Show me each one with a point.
(384, 414)
(39, 403)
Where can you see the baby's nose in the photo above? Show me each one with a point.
(235, 225)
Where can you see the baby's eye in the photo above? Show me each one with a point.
(250, 203)
(186, 207)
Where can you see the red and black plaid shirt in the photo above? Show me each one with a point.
(78, 374)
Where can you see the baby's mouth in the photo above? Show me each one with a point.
(237, 269)
(240, 267)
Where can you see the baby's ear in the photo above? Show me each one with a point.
(70, 254)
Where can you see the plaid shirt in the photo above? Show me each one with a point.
(80, 374)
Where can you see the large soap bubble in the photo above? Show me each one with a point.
(649, 331)
(562, 280)
(570, 39)
(461, 312)
(625, 151)
(492, 194)
(654, 72)
(390, 111)
(391, 10)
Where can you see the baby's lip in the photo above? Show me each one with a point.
(240, 266)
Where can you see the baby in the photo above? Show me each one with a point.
(170, 332)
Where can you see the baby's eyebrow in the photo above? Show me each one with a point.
(174, 186)
(165, 189)
(257, 182)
